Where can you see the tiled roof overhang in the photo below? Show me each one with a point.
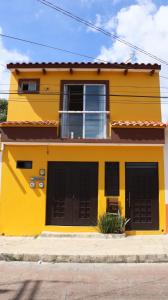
(137, 124)
(47, 123)
(122, 132)
(114, 124)
(83, 65)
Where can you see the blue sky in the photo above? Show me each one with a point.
(31, 20)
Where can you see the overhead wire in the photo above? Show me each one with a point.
(112, 86)
(51, 47)
(86, 94)
(100, 29)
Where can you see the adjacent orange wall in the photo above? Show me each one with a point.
(46, 107)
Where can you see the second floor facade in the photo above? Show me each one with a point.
(85, 100)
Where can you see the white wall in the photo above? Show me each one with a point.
(166, 165)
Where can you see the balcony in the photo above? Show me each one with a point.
(48, 132)
(83, 124)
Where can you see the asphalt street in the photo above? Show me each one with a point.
(21, 280)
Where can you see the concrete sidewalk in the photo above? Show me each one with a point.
(85, 249)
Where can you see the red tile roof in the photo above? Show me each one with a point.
(84, 65)
(48, 123)
(146, 124)
(53, 123)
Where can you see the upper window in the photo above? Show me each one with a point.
(84, 111)
(29, 85)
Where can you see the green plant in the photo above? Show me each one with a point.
(112, 223)
(3, 109)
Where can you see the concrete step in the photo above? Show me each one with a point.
(40, 258)
(96, 235)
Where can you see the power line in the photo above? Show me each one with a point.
(91, 25)
(53, 92)
(86, 94)
(122, 102)
(164, 77)
(51, 47)
(55, 89)
(112, 86)
(115, 91)
(54, 48)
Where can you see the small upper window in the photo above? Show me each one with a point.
(28, 85)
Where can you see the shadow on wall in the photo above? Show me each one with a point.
(18, 174)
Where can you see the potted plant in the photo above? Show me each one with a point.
(112, 223)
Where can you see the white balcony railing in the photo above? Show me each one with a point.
(84, 124)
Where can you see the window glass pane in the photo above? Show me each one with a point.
(141, 165)
(72, 125)
(95, 125)
(25, 87)
(112, 179)
(95, 97)
(29, 86)
(32, 86)
(73, 97)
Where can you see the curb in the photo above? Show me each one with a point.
(147, 258)
(48, 234)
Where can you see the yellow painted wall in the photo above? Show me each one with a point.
(22, 209)
(136, 83)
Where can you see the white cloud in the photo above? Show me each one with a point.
(7, 56)
(97, 23)
(144, 25)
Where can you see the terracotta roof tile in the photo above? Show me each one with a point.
(108, 65)
(145, 123)
(53, 123)
(47, 123)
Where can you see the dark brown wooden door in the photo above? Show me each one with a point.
(72, 190)
(142, 196)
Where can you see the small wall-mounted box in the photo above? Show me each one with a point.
(41, 185)
(32, 184)
(42, 172)
(112, 205)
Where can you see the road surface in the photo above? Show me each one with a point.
(39, 281)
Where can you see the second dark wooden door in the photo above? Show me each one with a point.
(142, 199)
(72, 191)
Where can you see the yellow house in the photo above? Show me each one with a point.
(79, 138)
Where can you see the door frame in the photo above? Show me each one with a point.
(155, 224)
(48, 214)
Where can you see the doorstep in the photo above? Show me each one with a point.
(132, 249)
(97, 235)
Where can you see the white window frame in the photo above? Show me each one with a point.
(28, 82)
(84, 112)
